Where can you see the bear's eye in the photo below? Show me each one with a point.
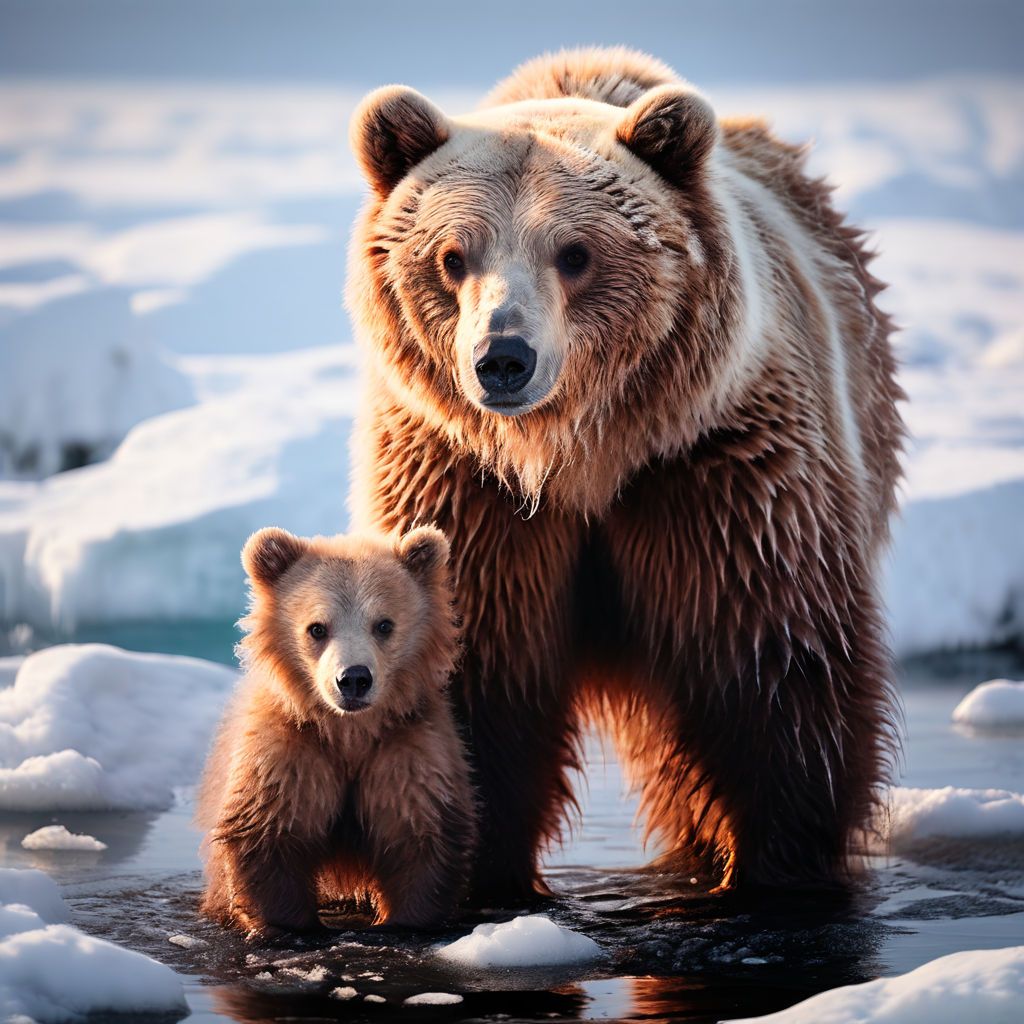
(573, 260)
(454, 264)
(384, 627)
(318, 631)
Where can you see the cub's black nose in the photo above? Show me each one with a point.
(504, 363)
(355, 682)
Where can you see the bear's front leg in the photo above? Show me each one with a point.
(768, 727)
(270, 884)
(513, 579)
(419, 818)
(270, 836)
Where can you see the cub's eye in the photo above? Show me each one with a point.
(572, 260)
(318, 631)
(384, 627)
(454, 264)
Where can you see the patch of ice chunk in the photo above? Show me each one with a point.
(57, 837)
(976, 985)
(531, 941)
(187, 941)
(91, 727)
(374, 999)
(997, 704)
(53, 972)
(433, 999)
(344, 993)
(950, 812)
(35, 889)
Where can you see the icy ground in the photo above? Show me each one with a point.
(153, 241)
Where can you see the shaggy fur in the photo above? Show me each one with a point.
(676, 533)
(304, 800)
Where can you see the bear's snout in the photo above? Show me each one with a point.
(504, 365)
(354, 684)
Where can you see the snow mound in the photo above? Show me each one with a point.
(155, 532)
(531, 941)
(68, 396)
(985, 986)
(50, 971)
(92, 727)
(998, 704)
(30, 888)
(916, 814)
(433, 999)
(57, 837)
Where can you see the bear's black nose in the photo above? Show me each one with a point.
(504, 363)
(355, 682)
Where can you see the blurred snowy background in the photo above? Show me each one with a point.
(176, 370)
(175, 197)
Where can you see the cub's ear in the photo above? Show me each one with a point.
(269, 553)
(423, 550)
(392, 130)
(672, 128)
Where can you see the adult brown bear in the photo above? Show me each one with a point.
(628, 357)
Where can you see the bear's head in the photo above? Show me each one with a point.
(550, 282)
(351, 624)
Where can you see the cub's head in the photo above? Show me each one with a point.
(533, 277)
(350, 623)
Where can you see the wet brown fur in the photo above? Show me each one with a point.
(680, 543)
(304, 804)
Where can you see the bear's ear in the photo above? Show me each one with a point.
(672, 128)
(269, 553)
(392, 130)
(423, 550)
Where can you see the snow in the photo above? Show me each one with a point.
(50, 971)
(433, 999)
(238, 200)
(68, 395)
(997, 704)
(156, 531)
(57, 837)
(531, 941)
(950, 812)
(92, 727)
(34, 889)
(985, 986)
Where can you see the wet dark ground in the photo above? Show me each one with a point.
(673, 952)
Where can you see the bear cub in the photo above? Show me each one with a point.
(338, 772)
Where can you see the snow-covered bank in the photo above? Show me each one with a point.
(531, 941)
(93, 727)
(50, 971)
(951, 813)
(992, 706)
(984, 986)
(156, 531)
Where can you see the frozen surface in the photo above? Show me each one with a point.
(95, 727)
(50, 971)
(57, 837)
(952, 812)
(997, 704)
(981, 986)
(531, 941)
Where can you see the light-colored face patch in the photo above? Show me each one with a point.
(529, 259)
(353, 624)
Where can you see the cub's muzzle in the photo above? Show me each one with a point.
(504, 365)
(354, 684)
